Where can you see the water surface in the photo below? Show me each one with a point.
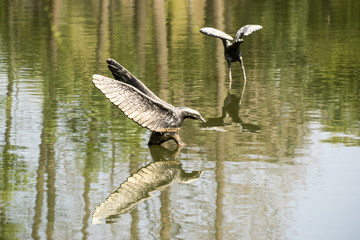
(282, 165)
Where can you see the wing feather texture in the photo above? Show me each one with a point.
(142, 109)
(213, 32)
(122, 74)
(247, 30)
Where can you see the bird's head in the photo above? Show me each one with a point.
(190, 113)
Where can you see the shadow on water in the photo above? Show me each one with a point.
(157, 175)
(230, 114)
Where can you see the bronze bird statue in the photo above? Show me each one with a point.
(141, 105)
(232, 49)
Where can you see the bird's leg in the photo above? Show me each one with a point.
(229, 69)
(244, 86)
(242, 66)
(157, 138)
(177, 139)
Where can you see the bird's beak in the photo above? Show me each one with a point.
(203, 120)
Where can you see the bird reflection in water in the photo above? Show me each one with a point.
(230, 114)
(157, 175)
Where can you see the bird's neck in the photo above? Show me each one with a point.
(236, 43)
(184, 112)
(226, 43)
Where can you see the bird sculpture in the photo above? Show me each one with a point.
(232, 49)
(141, 105)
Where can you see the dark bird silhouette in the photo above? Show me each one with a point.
(230, 114)
(232, 49)
(141, 105)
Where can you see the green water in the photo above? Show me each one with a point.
(283, 165)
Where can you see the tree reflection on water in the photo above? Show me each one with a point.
(64, 148)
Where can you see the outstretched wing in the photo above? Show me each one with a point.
(142, 109)
(246, 31)
(120, 73)
(216, 33)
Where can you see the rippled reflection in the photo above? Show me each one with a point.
(164, 171)
(283, 158)
(230, 114)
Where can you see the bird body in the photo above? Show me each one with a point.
(232, 50)
(138, 103)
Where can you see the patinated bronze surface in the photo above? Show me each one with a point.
(232, 50)
(141, 105)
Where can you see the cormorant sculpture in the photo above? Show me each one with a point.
(141, 105)
(232, 49)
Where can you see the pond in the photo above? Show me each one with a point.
(277, 159)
